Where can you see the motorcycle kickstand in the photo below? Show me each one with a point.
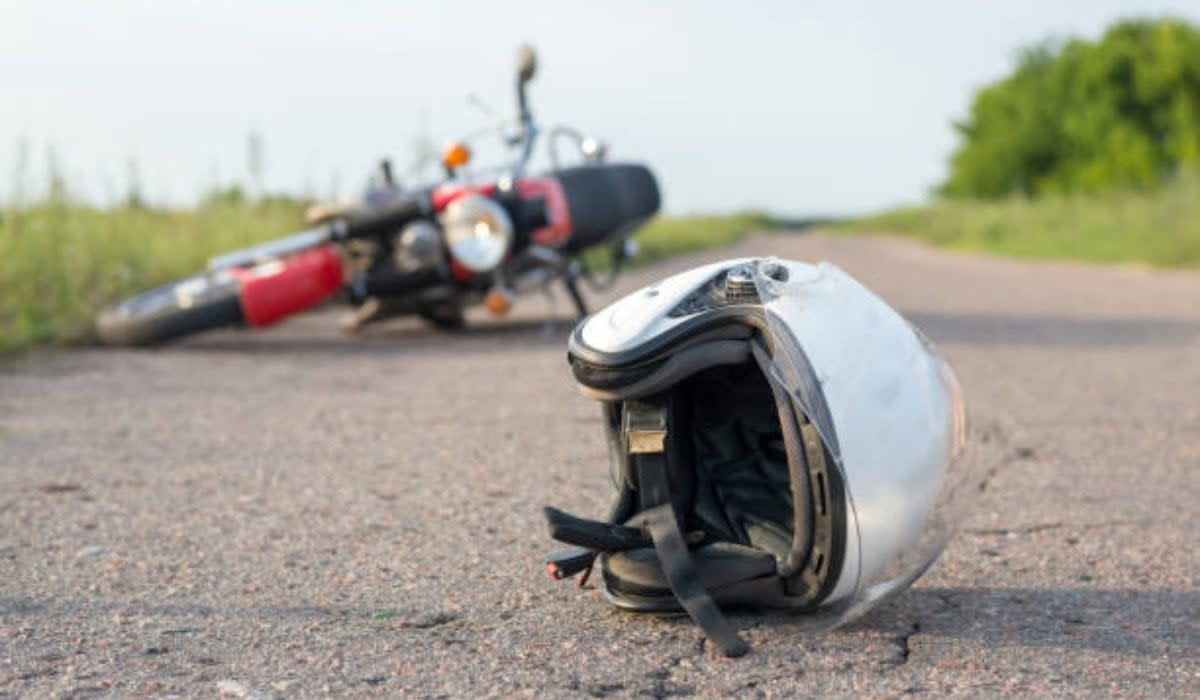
(570, 280)
(368, 311)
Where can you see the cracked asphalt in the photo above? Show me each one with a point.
(300, 513)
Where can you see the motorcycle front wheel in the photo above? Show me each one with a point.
(172, 311)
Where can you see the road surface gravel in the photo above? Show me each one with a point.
(301, 513)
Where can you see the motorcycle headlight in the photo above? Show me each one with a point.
(478, 231)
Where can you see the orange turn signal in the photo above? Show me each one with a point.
(498, 301)
(456, 155)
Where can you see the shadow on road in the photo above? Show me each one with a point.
(1144, 622)
(404, 339)
(1051, 331)
(1151, 623)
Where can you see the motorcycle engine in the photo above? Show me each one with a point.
(417, 246)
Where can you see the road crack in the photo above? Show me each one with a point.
(1019, 454)
(1055, 525)
(902, 644)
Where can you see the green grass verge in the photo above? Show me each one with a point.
(60, 263)
(1159, 228)
(665, 237)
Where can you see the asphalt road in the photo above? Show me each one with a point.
(297, 513)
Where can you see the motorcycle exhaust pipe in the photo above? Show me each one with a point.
(392, 283)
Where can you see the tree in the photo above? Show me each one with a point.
(1079, 116)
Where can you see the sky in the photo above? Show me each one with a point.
(800, 108)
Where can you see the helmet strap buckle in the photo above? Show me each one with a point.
(644, 426)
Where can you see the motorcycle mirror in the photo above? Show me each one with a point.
(526, 63)
(594, 150)
(386, 177)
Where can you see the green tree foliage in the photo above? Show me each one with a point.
(1085, 117)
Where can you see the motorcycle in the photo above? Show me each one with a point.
(477, 237)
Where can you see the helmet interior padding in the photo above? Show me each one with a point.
(730, 486)
(726, 428)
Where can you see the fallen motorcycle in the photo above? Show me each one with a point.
(478, 237)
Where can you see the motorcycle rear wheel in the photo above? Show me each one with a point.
(171, 311)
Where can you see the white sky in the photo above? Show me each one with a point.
(800, 107)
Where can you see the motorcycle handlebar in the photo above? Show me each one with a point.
(522, 103)
(377, 223)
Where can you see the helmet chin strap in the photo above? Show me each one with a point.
(645, 428)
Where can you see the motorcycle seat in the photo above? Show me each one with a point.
(607, 201)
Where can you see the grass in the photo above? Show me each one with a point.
(60, 263)
(1159, 228)
(665, 237)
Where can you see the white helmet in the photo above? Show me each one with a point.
(780, 437)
